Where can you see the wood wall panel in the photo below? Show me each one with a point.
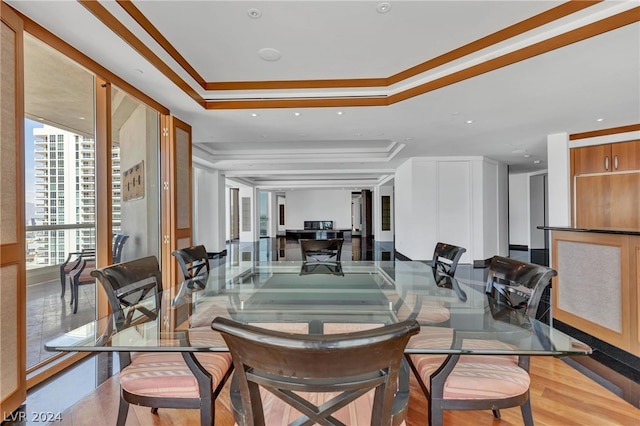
(13, 384)
(596, 286)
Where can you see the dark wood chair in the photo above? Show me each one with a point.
(81, 274)
(363, 368)
(72, 262)
(158, 379)
(319, 251)
(482, 382)
(446, 258)
(193, 261)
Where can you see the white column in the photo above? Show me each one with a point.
(559, 179)
(209, 209)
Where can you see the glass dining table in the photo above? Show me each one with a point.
(320, 298)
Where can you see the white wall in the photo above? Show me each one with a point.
(253, 232)
(537, 207)
(559, 179)
(457, 200)
(319, 204)
(209, 209)
(519, 209)
(140, 218)
(381, 235)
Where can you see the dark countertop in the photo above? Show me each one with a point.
(595, 231)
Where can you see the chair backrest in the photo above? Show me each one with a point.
(446, 258)
(193, 261)
(520, 284)
(321, 250)
(358, 361)
(118, 245)
(133, 289)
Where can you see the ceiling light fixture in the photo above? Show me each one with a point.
(254, 13)
(297, 114)
(253, 114)
(599, 120)
(527, 155)
(469, 121)
(383, 7)
(536, 161)
(339, 112)
(269, 54)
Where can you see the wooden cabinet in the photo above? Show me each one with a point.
(616, 157)
(609, 200)
(605, 185)
(597, 287)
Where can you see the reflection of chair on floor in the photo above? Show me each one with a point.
(81, 274)
(328, 250)
(73, 261)
(483, 382)
(281, 376)
(158, 379)
(309, 268)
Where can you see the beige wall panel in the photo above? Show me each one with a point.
(183, 243)
(591, 284)
(8, 166)
(9, 331)
(182, 179)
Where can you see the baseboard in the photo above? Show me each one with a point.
(518, 247)
(400, 256)
(613, 357)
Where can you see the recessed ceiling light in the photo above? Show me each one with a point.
(527, 155)
(297, 114)
(600, 119)
(254, 13)
(339, 112)
(253, 114)
(469, 121)
(81, 118)
(269, 54)
(383, 7)
(536, 161)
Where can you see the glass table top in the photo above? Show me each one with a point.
(323, 298)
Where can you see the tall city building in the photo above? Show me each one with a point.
(65, 193)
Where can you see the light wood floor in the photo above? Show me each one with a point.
(560, 395)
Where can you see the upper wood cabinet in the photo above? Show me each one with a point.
(614, 157)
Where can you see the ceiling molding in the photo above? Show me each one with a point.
(605, 132)
(554, 14)
(512, 31)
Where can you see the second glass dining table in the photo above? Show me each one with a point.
(321, 298)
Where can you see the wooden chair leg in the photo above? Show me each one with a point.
(207, 412)
(123, 410)
(75, 290)
(527, 416)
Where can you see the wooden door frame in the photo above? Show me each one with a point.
(12, 253)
